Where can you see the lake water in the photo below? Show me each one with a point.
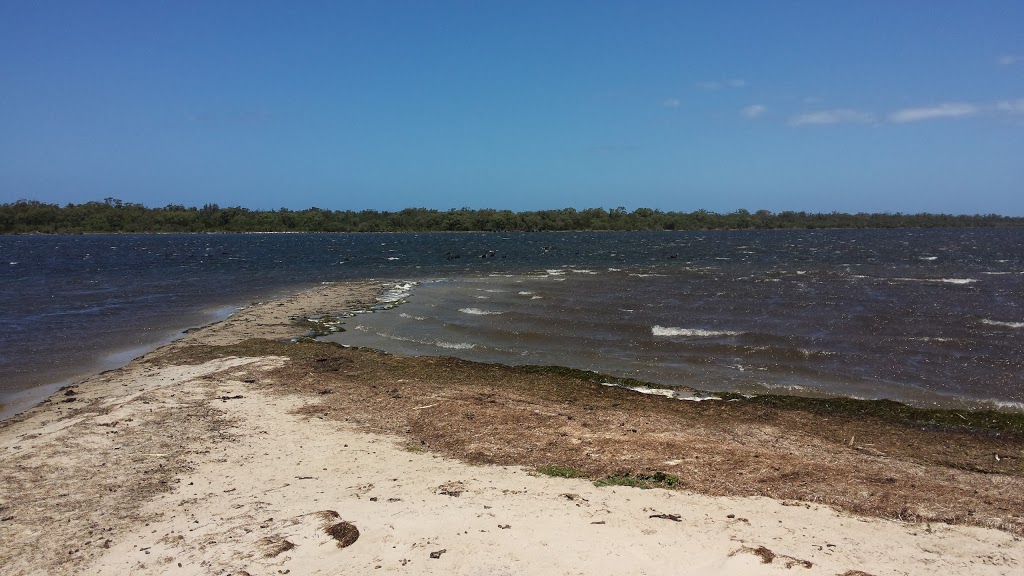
(933, 317)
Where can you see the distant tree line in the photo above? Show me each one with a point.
(112, 215)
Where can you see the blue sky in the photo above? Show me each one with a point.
(907, 106)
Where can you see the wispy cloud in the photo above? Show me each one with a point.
(671, 103)
(722, 84)
(837, 116)
(753, 111)
(1010, 59)
(1011, 106)
(948, 110)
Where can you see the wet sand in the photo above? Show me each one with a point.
(225, 454)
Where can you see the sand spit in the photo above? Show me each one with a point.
(204, 459)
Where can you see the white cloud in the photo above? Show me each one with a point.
(1010, 59)
(753, 111)
(837, 116)
(1011, 106)
(720, 84)
(948, 110)
(671, 103)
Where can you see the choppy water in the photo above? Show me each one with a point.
(928, 316)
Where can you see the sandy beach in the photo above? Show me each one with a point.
(231, 452)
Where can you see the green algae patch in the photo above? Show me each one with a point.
(645, 481)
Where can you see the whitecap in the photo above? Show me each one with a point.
(692, 332)
(946, 280)
(536, 297)
(411, 317)
(666, 392)
(999, 323)
(929, 258)
(393, 258)
(479, 312)
(525, 293)
(455, 345)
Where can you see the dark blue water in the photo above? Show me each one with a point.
(921, 315)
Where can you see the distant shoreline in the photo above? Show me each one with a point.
(114, 215)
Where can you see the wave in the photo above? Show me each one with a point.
(692, 332)
(411, 317)
(946, 280)
(479, 312)
(395, 294)
(438, 343)
(455, 345)
(1008, 405)
(675, 394)
(1000, 323)
(525, 293)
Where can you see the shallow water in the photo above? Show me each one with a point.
(930, 316)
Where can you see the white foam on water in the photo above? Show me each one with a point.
(692, 332)
(555, 272)
(946, 280)
(1008, 405)
(997, 273)
(929, 258)
(525, 293)
(479, 312)
(933, 339)
(667, 393)
(484, 297)
(411, 317)
(455, 345)
(1000, 323)
(639, 275)
(393, 258)
(575, 271)
(396, 293)
(615, 269)
(536, 297)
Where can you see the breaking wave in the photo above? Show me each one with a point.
(999, 323)
(479, 312)
(692, 332)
